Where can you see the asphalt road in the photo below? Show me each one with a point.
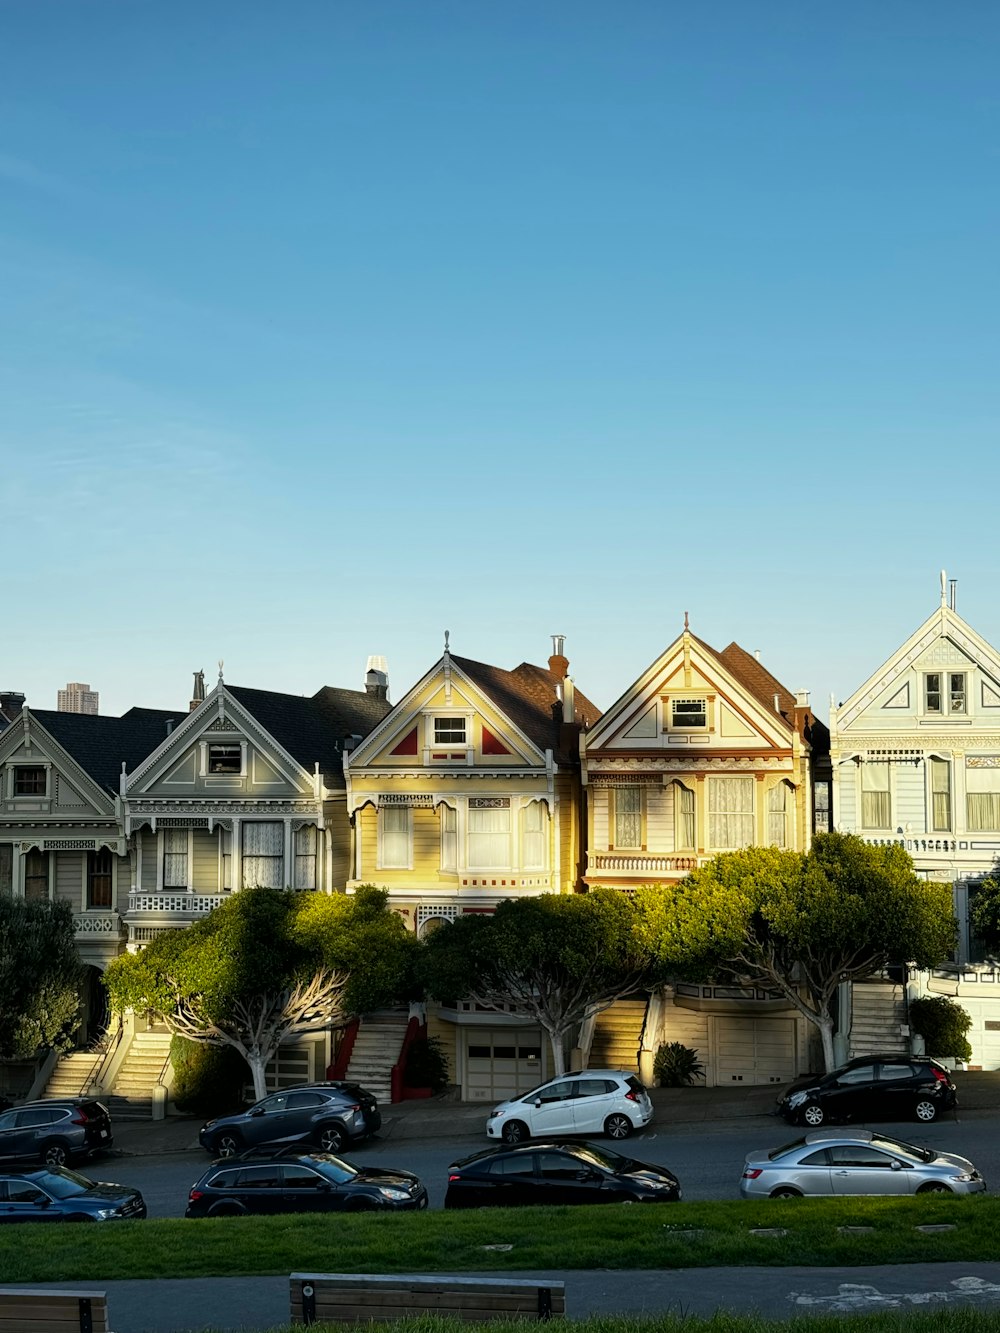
(707, 1158)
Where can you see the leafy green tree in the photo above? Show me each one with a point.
(40, 977)
(801, 924)
(985, 914)
(557, 958)
(268, 965)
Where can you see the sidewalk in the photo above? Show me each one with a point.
(443, 1117)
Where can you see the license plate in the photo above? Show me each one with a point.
(104, 1133)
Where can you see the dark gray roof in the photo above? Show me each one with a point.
(528, 697)
(100, 744)
(314, 729)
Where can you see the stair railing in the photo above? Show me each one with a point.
(107, 1046)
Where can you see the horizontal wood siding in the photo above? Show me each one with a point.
(69, 869)
(205, 861)
(426, 842)
(849, 812)
(686, 1026)
(601, 798)
(910, 804)
(340, 854)
(565, 856)
(659, 822)
(147, 881)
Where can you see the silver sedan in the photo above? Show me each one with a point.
(862, 1162)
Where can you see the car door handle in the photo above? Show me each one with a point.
(841, 1173)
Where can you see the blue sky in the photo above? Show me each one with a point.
(326, 327)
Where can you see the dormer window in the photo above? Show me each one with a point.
(945, 692)
(449, 731)
(689, 714)
(30, 780)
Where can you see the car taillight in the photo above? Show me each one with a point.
(195, 1195)
(939, 1075)
(355, 1107)
(453, 1176)
(752, 1172)
(79, 1118)
(631, 1097)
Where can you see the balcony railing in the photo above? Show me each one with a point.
(175, 904)
(639, 863)
(97, 925)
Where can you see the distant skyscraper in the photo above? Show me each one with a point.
(77, 698)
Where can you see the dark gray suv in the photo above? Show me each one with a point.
(326, 1115)
(55, 1131)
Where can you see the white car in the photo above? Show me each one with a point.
(593, 1101)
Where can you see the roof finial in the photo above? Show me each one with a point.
(220, 668)
(686, 625)
(447, 635)
(944, 592)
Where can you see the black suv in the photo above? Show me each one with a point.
(872, 1087)
(53, 1194)
(54, 1131)
(291, 1181)
(328, 1115)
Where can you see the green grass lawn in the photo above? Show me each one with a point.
(954, 1320)
(682, 1235)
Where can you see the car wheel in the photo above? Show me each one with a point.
(786, 1192)
(362, 1205)
(515, 1131)
(925, 1110)
(227, 1210)
(331, 1138)
(618, 1126)
(227, 1144)
(55, 1153)
(934, 1187)
(813, 1115)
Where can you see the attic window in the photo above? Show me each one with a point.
(689, 713)
(225, 759)
(30, 781)
(449, 731)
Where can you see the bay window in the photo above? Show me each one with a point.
(533, 841)
(940, 776)
(99, 874)
(36, 876)
(730, 813)
(489, 833)
(777, 815)
(263, 855)
(449, 838)
(395, 827)
(175, 858)
(982, 793)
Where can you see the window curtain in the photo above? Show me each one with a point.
(777, 816)
(876, 808)
(533, 819)
(395, 836)
(449, 838)
(306, 842)
(263, 856)
(99, 878)
(683, 817)
(226, 851)
(730, 806)
(628, 816)
(489, 839)
(175, 858)
(940, 795)
(982, 797)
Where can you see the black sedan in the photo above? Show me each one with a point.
(56, 1194)
(872, 1087)
(556, 1173)
(300, 1182)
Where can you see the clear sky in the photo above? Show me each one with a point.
(330, 325)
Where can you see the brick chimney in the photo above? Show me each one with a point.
(558, 664)
(11, 703)
(198, 691)
(377, 677)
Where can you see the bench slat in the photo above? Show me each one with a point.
(37, 1310)
(452, 1300)
(360, 1298)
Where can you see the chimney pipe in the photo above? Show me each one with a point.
(569, 700)
(952, 592)
(558, 663)
(777, 703)
(377, 677)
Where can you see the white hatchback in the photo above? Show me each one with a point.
(593, 1101)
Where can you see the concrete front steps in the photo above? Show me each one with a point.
(131, 1097)
(71, 1076)
(878, 1013)
(617, 1030)
(376, 1050)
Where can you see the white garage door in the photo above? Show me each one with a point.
(984, 1035)
(502, 1062)
(752, 1050)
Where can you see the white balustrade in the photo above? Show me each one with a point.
(97, 923)
(179, 904)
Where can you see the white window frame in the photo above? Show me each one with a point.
(933, 791)
(246, 824)
(220, 778)
(50, 870)
(784, 814)
(299, 856)
(14, 765)
(161, 853)
(637, 814)
(402, 862)
(454, 752)
(448, 818)
(680, 845)
(700, 699)
(750, 815)
(868, 822)
(473, 864)
(946, 693)
(542, 832)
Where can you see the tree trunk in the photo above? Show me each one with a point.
(257, 1063)
(557, 1040)
(825, 1025)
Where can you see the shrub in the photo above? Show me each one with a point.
(676, 1065)
(208, 1080)
(426, 1064)
(943, 1024)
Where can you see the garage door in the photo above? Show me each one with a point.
(752, 1050)
(502, 1063)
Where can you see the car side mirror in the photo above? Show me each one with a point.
(45, 1202)
(256, 1110)
(538, 1102)
(324, 1187)
(896, 1165)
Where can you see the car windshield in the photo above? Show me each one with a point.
(334, 1168)
(787, 1147)
(897, 1148)
(609, 1161)
(63, 1184)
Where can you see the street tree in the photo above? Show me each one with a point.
(800, 924)
(984, 913)
(40, 977)
(266, 966)
(558, 959)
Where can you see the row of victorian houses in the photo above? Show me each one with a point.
(482, 784)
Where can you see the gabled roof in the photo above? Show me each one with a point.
(313, 730)
(755, 678)
(100, 744)
(527, 695)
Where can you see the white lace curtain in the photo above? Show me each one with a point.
(489, 839)
(175, 858)
(263, 855)
(876, 806)
(730, 812)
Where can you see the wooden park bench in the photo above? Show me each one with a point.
(32, 1310)
(359, 1298)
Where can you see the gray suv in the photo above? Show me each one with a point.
(55, 1131)
(328, 1116)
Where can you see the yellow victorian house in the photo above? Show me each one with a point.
(467, 793)
(706, 752)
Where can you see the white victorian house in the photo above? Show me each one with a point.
(915, 753)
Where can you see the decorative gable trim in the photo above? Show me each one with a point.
(29, 731)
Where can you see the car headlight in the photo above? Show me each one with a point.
(797, 1098)
(966, 1175)
(105, 1213)
(494, 1114)
(397, 1196)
